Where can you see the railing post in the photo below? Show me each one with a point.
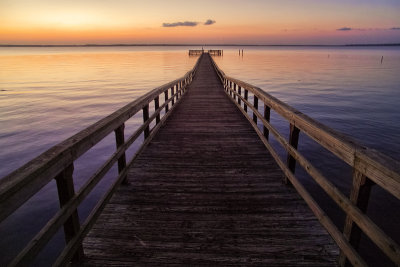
(172, 95)
(156, 106)
(234, 90)
(246, 96)
(230, 87)
(165, 100)
(240, 93)
(267, 115)
(65, 188)
(120, 140)
(145, 118)
(359, 196)
(256, 107)
(293, 141)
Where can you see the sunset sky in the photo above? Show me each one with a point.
(199, 22)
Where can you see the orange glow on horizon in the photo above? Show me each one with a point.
(219, 34)
(237, 22)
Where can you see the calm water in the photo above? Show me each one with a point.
(48, 94)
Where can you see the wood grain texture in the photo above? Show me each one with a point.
(205, 191)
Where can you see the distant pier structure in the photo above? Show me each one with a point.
(211, 52)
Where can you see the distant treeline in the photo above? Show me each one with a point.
(102, 45)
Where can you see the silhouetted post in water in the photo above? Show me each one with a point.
(381, 59)
(246, 97)
(240, 93)
(156, 106)
(293, 141)
(359, 196)
(172, 94)
(66, 191)
(120, 140)
(267, 115)
(239, 52)
(166, 98)
(255, 105)
(145, 118)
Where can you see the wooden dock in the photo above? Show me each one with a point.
(205, 186)
(207, 192)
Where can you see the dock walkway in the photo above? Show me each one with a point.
(206, 191)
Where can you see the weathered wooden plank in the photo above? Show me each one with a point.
(204, 192)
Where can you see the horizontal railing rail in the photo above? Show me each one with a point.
(369, 167)
(195, 52)
(58, 163)
(211, 52)
(216, 52)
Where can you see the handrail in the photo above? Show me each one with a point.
(57, 163)
(369, 167)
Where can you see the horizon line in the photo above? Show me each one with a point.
(100, 45)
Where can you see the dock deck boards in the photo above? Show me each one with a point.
(207, 192)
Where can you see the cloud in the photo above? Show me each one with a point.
(209, 22)
(395, 28)
(187, 23)
(179, 23)
(344, 29)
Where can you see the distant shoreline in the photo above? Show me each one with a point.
(233, 45)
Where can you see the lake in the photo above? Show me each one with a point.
(47, 94)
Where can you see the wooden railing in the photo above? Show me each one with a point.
(58, 163)
(216, 52)
(211, 52)
(369, 167)
(195, 52)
